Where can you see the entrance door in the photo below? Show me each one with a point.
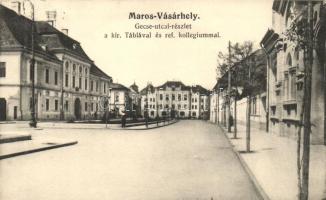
(77, 109)
(3, 109)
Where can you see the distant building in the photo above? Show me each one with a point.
(68, 85)
(286, 72)
(119, 99)
(175, 99)
(135, 100)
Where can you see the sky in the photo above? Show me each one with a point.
(157, 60)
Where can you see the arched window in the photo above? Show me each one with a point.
(289, 60)
(67, 65)
(74, 67)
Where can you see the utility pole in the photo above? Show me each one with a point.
(235, 107)
(218, 105)
(248, 109)
(307, 106)
(229, 90)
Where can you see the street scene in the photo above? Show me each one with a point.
(145, 100)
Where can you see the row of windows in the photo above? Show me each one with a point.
(167, 97)
(74, 68)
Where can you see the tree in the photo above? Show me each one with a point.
(248, 71)
(300, 33)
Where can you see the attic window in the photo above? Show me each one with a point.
(74, 46)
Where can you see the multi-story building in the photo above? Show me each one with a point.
(286, 70)
(175, 99)
(135, 100)
(67, 82)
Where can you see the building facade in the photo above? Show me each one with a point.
(286, 71)
(68, 85)
(176, 100)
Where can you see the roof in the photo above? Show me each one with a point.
(200, 89)
(134, 87)
(149, 87)
(98, 72)
(118, 86)
(20, 32)
(56, 40)
(174, 84)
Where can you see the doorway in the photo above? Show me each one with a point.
(77, 109)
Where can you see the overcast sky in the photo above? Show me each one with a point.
(157, 60)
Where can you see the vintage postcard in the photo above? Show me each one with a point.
(163, 99)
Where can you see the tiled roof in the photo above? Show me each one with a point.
(21, 29)
(56, 40)
(118, 86)
(98, 72)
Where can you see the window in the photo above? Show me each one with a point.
(161, 96)
(85, 84)
(67, 66)
(85, 106)
(179, 106)
(67, 105)
(96, 106)
(80, 69)
(92, 85)
(56, 78)
(73, 81)
(2, 69)
(173, 106)
(195, 106)
(56, 105)
(195, 99)
(80, 82)
(96, 86)
(86, 71)
(92, 107)
(185, 106)
(179, 97)
(185, 97)
(192, 100)
(116, 98)
(67, 80)
(153, 106)
(173, 97)
(74, 67)
(166, 106)
(46, 75)
(153, 99)
(167, 97)
(104, 88)
(47, 104)
(192, 106)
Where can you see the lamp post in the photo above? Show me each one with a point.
(33, 122)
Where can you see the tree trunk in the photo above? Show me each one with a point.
(307, 108)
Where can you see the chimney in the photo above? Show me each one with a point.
(65, 31)
(51, 17)
(16, 6)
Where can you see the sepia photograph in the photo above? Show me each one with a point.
(162, 100)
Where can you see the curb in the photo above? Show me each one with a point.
(15, 139)
(260, 191)
(144, 128)
(36, 150)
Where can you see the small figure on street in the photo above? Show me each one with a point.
(123, 120)
(231, 120)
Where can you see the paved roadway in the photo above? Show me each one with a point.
(187, 160)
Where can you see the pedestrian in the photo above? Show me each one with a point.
(123, 120)
(231, 120)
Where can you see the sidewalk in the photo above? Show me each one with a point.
(274, 166)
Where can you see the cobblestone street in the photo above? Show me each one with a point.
(187, 160)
